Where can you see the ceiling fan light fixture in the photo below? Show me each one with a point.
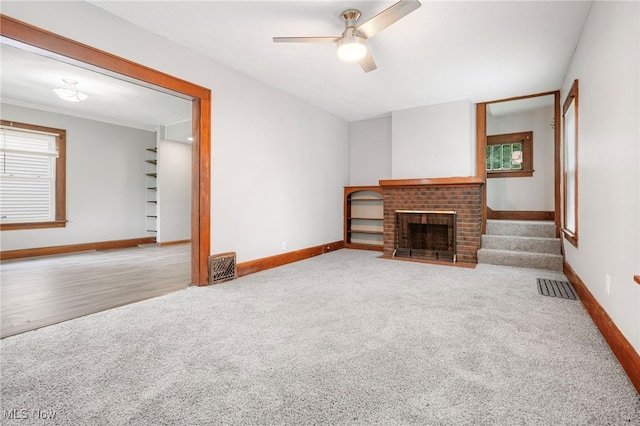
(69, 92)
(351, 48)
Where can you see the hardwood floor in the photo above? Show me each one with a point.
(42, 291)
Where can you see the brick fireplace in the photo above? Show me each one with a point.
(460, 195)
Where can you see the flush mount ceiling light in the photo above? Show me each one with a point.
(69, 92)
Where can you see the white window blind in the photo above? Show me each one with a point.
(570, 168)
(27, 176)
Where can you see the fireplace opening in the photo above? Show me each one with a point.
(427, 235)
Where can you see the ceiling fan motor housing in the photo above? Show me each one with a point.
(350, 17)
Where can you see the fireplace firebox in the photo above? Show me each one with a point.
(427, 235)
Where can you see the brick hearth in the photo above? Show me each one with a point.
(460, 194)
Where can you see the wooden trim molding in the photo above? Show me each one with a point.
(71, 248)
(33, 225)
(172, 243)
(620, 346)
(463, 180)
(569, 236)
(516, 98)
(481, 167)
(363, 247)
(131, 71)
(481, 139)
(519, 215)
(351, 189)
(257, 265)
(557, 171)
(572, 97)
(636, 278)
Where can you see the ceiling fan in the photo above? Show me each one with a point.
(352, 43)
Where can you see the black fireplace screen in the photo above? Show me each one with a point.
(426, 235)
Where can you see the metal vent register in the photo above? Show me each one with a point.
(222, 267)
(553, 288)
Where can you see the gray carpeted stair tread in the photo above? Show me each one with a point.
(521, 259)
(522, 228)
(517, 243)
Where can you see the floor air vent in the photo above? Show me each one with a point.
(553, 288)
(222, 267)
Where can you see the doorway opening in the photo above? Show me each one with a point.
(86, 56)
(522, 176)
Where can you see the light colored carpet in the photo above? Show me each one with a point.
(345, 338)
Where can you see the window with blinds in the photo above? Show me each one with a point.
(27, 176)
(570, 165)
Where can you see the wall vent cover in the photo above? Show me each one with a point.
(222, 267)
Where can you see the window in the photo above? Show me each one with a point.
(32, 176)
(510, 155)
(570, 165)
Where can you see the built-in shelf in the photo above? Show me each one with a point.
(359, 231)
(151, 182)
(363, 217)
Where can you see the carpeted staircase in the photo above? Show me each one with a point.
(527, 244)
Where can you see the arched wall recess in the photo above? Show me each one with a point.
(200, 97)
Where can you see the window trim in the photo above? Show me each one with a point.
(61, 179)
(572, 97)
(526, 139)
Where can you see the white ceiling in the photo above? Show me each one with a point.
(443, 51)
(29, 75)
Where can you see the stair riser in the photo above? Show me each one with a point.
(521, 259)
(499, 242)
(521, 229)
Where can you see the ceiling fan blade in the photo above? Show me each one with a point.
(387, 17)
(306, 39)
(367, 63)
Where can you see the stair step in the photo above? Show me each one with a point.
(528, 244)
(521, 259)
(522, 228)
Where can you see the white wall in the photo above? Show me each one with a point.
(105, 181)
(607, 65)
(174, 191)
(535, 193)
(278, 164)
(370, 155)
(434, 141)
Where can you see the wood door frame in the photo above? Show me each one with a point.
(481, 145)
(201, 120)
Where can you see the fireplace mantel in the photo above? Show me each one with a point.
(459, 180)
